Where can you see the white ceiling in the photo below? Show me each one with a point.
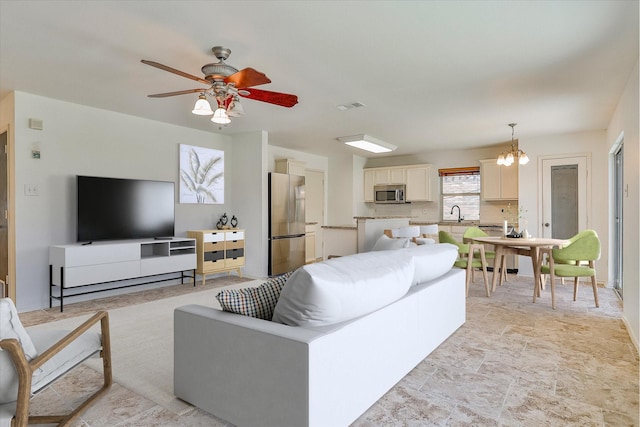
(432, 75)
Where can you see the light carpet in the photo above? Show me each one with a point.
(142, 344)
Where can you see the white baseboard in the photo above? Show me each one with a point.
(630, 332)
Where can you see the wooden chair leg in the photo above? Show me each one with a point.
(469, 273)
(576, 283)
(553, 290)
(594, 285)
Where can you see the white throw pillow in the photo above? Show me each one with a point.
(386, 243)
(344, 288)
(431, 261)
(11, 328)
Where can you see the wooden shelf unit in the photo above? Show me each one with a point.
(218, 251)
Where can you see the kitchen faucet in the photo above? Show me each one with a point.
(460, 218)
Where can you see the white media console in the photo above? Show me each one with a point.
(79, 265)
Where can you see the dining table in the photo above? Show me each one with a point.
(519, 246)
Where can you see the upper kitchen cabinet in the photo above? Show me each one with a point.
(417, 178)
(369, 179)
(498, 182)
(290, 166)
(393, 175)
(419, 183)
(382, 176)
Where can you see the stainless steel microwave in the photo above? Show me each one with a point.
(389, 193)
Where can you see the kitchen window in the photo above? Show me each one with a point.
(460, 186)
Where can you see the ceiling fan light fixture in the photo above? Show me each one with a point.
(235, 109)
(367, 143)
(202, 107)
(220, 117)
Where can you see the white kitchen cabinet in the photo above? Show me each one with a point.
(290, 166)
(419, 183)
(390, 175)
(498, 182)
(416, 177)
(369, 179)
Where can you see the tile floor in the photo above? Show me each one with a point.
(513, 363)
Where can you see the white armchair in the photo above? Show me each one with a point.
(31, 362)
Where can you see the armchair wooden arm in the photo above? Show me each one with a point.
(25, 370)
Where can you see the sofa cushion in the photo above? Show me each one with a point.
(255, 301)
(385, 243)
(344, 288)
(431, 261)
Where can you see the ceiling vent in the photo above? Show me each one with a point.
(345, 107)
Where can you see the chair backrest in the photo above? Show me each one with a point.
(583, 248)
(446, 237)
(583, 233)
(472, 232)
(428, 230)
(11, 328)
(404, 232)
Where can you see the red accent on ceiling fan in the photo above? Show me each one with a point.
(247, 77)
(277, 98)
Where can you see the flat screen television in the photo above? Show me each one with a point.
(116, 209)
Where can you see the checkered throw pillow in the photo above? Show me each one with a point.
(255, 302)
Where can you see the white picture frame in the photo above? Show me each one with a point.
(201, 175)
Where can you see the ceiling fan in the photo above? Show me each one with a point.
(226, 84)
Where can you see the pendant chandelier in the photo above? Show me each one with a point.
(515, 154)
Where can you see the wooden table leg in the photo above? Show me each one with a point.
(497, 262)
(534, 254)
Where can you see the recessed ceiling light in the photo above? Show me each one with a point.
(367, 143)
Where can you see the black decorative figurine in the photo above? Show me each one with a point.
(234, 222)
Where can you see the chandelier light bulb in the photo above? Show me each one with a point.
(202, 107)
(220, 117)
(524, 159)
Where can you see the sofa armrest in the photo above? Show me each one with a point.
(225, 363)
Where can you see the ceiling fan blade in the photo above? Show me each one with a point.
(247, 77)
(277, 98)
(174, 71)
(180, 92)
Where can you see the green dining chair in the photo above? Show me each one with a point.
(577, 259)
(468, 236)
(467, 262)
(571, 240)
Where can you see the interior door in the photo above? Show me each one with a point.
(564, 196)
(618, 231)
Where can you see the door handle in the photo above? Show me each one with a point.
(546, 224)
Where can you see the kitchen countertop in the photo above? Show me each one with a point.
(462, 224)
(382, 217)
(340, 227)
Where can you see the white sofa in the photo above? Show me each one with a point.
(253, 372)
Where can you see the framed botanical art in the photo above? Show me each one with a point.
(201, 175)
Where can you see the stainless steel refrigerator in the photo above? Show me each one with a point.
(286, 223)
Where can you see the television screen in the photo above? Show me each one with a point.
(114, 208)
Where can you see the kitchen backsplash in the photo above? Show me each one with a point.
(490, 212)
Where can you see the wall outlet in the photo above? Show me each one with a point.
(31, 190)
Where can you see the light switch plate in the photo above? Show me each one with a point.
(31, 190)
